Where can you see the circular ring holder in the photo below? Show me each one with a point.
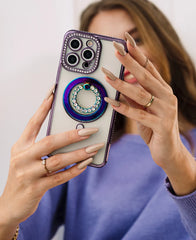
(83, 99)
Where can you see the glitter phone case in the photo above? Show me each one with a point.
(81, 88)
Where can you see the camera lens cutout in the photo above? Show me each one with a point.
(85, 65)
(88, 54)
(72, 59)
(75, 44)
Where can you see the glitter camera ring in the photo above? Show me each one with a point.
(91, 40)
(83, 99)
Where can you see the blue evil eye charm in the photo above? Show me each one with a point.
(83, 99)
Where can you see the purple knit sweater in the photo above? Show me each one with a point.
(127, 199)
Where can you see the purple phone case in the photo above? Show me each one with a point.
(101, 37)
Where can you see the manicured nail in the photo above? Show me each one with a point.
(50, 92)
(130, 39)
(87, 131)
(112, 102)
(109, 74)
(84, 163)
(119, 47)
(94, 147)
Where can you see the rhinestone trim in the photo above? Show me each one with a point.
(76, 105)
(82, 113)
(96, 59)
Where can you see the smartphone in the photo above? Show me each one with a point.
(81, 88)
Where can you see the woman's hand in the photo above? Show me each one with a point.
(28, 179)
(153, 105)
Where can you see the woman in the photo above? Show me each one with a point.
(127, 198)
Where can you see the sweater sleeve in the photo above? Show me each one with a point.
(187, 208)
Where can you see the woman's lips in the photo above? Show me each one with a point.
(128, 77)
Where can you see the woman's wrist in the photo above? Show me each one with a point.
(16, 234)
(7, 229)
(182, 172)
(8, 232)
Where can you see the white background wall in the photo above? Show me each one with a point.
(31, 34)
(30, 41)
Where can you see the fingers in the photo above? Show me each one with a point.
(156, 106)
(63, 176)
(33, 171)
(143, 76)
(136, 93)
(149, 79)
(151, 123)
(53, 142)
(145, 118)
(33, 127)
(137, 54)
(40, 185)
(60, 161)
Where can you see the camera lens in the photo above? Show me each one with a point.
(75, 44)
(88, 54)
(72, 59)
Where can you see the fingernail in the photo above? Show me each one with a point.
(94, 147)
(119, 47)
(109, 74)
(50, 92)
(112, 102)
(130, 39)
(84, 163)
(87, 131)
